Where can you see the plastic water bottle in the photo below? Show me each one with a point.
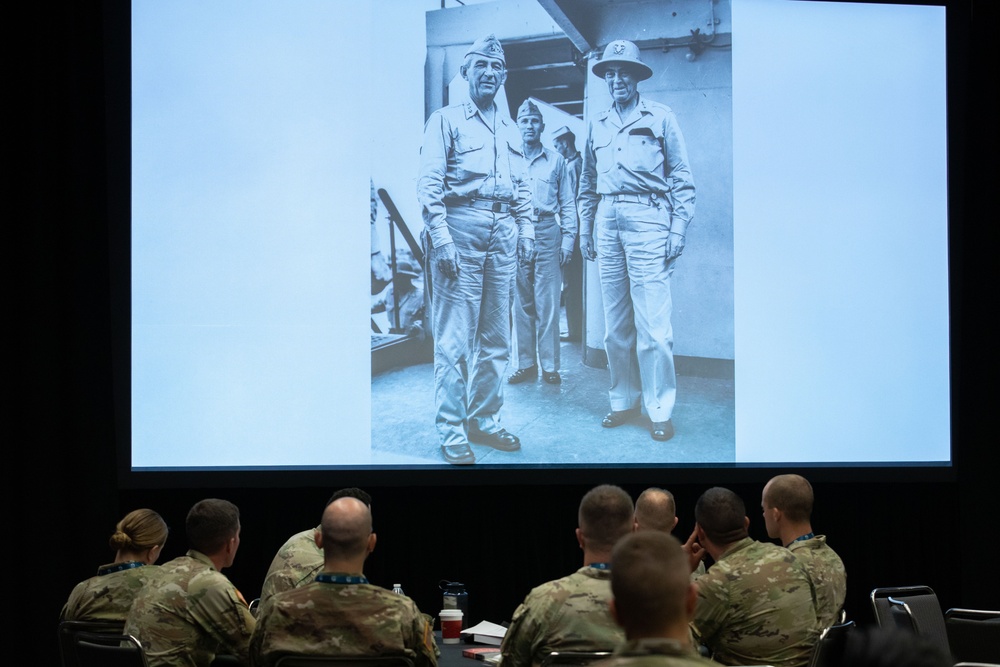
(397, 589)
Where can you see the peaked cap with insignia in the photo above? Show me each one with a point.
(488, 46)
(621, 52)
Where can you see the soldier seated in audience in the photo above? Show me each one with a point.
(571, 614)
(190, 611)
(299, 559)
(655, 509)
(654, 600)
(137, 541)
(339, 613)
(756, 603)
(787, 502)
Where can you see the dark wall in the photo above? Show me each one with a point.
(62, 490)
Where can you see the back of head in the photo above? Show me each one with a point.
(650, 578)
(605, 516)
(346, 525)
(792, 494)
(722, 515)
(655, 510)
(139, 530)
(210, 524)
(352, 492)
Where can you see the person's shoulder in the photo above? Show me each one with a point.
(454, 112)
(654, 107)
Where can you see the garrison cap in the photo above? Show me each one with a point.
(528, 108)
(562, 132)
(622, 52)
(488, 46)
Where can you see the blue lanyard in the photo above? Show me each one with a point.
(600, 566)
(803, 538)
(120, 567)
(341, 578)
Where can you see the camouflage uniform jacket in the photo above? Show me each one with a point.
(756, 605)
(828, 575)
(655, 652)
(189, 613)
(297, 563)
(355, 619)
(568, 614)
(108, 596)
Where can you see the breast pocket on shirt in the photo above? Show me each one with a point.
(604, 156)
(644, 150)
(545, 192)
(470, 158)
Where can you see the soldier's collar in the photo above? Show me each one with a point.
(118, 567)
(339, 578)
(600, 566)
(802, 538)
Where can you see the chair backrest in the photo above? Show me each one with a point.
(68, 630)
(913, 606)
(974, 634)
(254, 607)
(573, 657)
(297, 660)
(829, 650)
(94, 649)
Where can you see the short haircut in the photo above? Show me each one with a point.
(210, 524)
(352, 492)
(655, 510)
(139, 530)
(605, 515)
(650, 577)
(792, 494)
(722, 515)
(345, 527)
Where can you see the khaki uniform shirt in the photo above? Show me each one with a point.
(553, 191)
(828, 574)
(756, 606)
(340, 618)
(190, 613)
(463, 157)
(644, 155)
(568, 614)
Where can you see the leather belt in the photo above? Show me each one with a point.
(649, 199)
(490, 205)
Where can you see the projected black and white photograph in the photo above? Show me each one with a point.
(616, 343)
(537, 234)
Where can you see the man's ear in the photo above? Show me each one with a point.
(580, 539)
(371, 542)
(676, 519)
(746, 523)
(464, 71)
(318, 538)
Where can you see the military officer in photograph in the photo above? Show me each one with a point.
(636, 201)
(565, 143)
(476, 206)
(539, 283)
